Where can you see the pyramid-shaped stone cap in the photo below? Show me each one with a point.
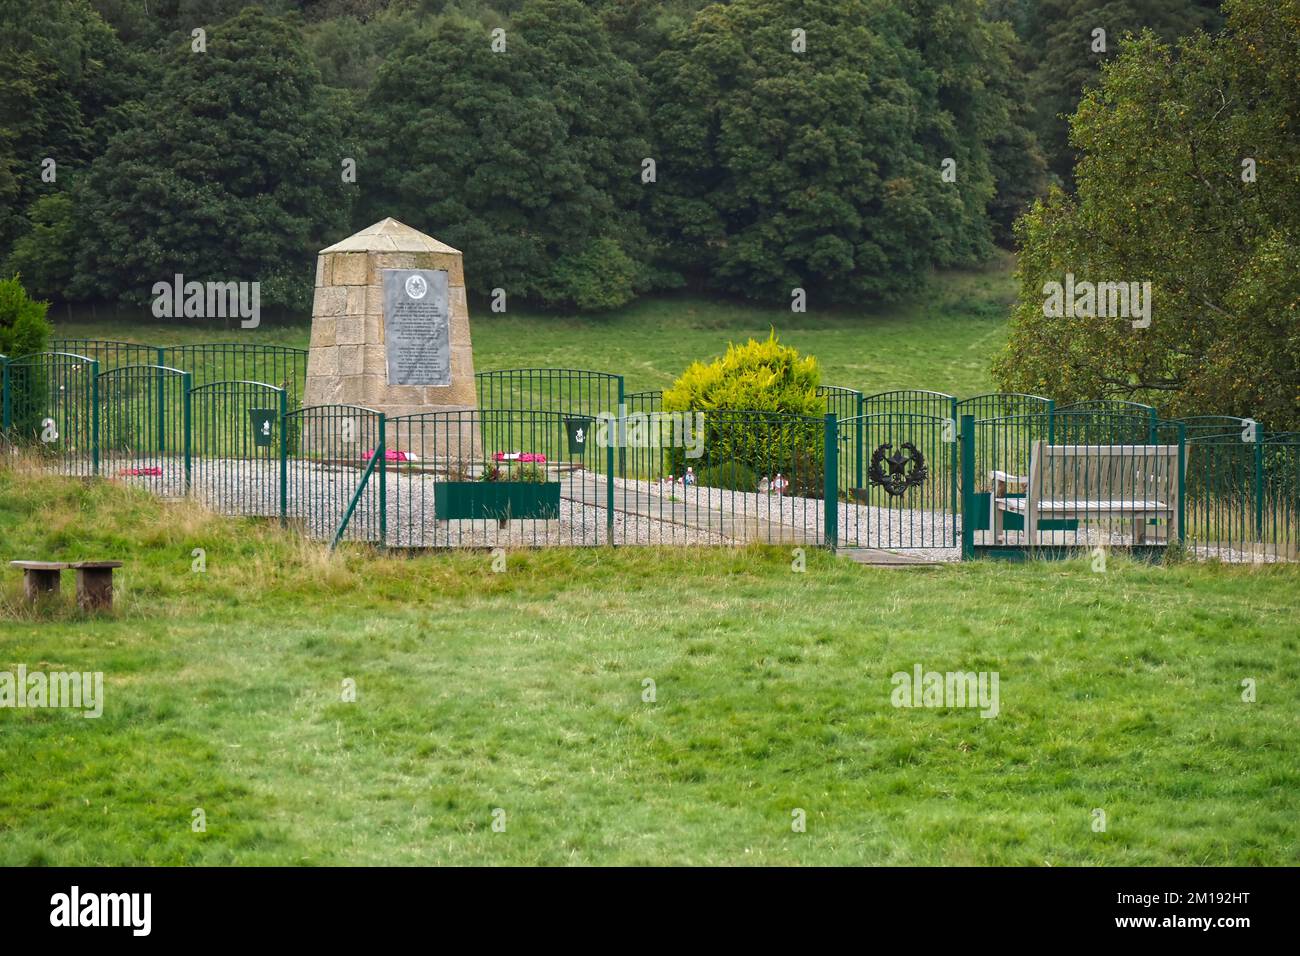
(389, 235)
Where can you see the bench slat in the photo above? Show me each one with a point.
(1084, 505)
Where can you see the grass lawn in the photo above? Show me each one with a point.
(524, 691)
(943, 340)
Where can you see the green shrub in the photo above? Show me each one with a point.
(24, 329)
(732, 476)
(739, 394)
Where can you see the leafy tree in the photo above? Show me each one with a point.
(526, 159)
(599, 274)
(1063, 31)
(230, 170)
(1190, 165)
(45, 255)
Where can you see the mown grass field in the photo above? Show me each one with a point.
(943, 340)
(523, 691)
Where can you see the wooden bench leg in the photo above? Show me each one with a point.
(94, 588)
(995, 513)
(39, 581)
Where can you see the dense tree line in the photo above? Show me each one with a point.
(598, 150)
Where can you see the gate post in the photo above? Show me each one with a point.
(1182, 480)
(622, 452)
(94, 414)
(383, 481)
(162, 415)
(1259, 487)
(186, 386)
(857, 439)
(954, 421)
(609, 477)
(6, 414)
(284, 460)
(967, 487)
(830, 484)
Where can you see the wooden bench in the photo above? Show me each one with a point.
(1135, 483)
(94, 580)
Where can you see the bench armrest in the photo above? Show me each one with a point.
(1005, 478)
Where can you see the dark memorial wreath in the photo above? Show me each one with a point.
(900, 476)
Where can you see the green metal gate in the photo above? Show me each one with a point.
(238, 448)
(335, 472)
(144, 427)
(49, 405)
(902, 492)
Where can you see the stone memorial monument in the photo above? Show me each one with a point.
(390, 331)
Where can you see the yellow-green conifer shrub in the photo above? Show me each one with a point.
(758, 376)
(741, 394)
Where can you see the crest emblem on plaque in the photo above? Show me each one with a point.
(416, 287)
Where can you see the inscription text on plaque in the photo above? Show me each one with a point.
(417, 326)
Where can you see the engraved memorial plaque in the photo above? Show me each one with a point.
(417, 327)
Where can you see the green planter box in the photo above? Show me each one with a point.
(496, 500)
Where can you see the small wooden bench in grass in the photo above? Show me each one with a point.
(1136, 483)
(94, 580)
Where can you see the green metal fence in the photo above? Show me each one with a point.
(238, 448)
(1104, 408)
(569, 391)
(1278, 511)
(144, 427)
(1004, 428)
(1078, 478)
(1224, 471)
(648, 464)
(845, 404)
(207, 363)
(49, 404)
(279, 365)
(108, 353)
(905, 470)
(335, 468)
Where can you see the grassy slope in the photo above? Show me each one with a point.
(941, 341)
(523, 691)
